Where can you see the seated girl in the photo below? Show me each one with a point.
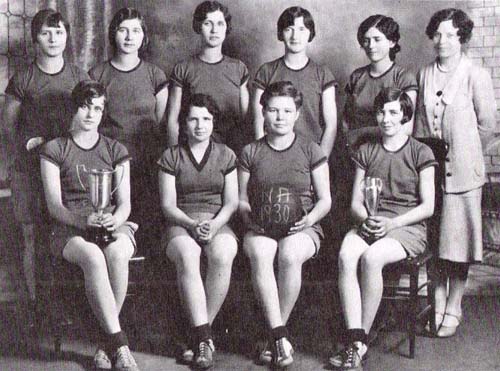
(406, 168)
(278, 167)
(199, 194)
(105, 268)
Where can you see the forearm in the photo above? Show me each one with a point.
(328, 140)
(68, 217)
(413, 216)
(172, 131)
(178, 217)
(320, 210)
(359, 213)
(121, 214)
(225, 214)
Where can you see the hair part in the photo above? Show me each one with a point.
(198, 100)
(386, 25)
(387, 95)
(281, 89)
(459, 19)
(85, 91)
(201, 11)
(287, 19)
(50, 18)
(122, 15)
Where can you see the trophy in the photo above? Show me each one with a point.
(372, 188)
(100, 192)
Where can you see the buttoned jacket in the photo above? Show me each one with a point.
(467, 121)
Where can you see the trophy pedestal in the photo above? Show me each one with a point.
(101, 236)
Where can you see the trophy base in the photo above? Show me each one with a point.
(102, 237)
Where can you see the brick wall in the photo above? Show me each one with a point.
(484, 49)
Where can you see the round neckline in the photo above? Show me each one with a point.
(298, 69)
(125, 71)
(51, 74)
(397, 150)
(86, 149)
(211, 63)
(381, 75)
(281, 150)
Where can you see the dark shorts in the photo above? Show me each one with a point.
(27, 193)
(62, 233)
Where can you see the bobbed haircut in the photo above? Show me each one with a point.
(386, 25)
(201, 11)
(50, 18)
(122, 15)
(281, 89)
(459, 19)
(85, 91)
(198, 100)
(387, 95)
(287, 19)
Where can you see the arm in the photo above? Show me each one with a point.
(174, 108)
(244, 100)
(408, 127)
(358, 210)
(244, 207)
(330, 119)
(483, 98)
(321, 185)
(52, 189)
(122, 195)
(161, 103)
(258, 119)
(381, 225)
(10, 116)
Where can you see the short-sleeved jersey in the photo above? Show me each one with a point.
(312, 80)
(199, 186)
(222, 81)
(399, 171)
(290, 168)
(46, 107)
(63, 152)
(131, 100)
(362, 89)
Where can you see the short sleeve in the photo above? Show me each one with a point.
(159, 79)
(169, 160)
(262, 77)
(317, 157)
(179, 74)
(425, 158)
(407, 81)
(53, 151)
(17, 86)
(361, 157)
(243, 71)
(229, 160)
(245, 160)
(120, 153)
(327, 78)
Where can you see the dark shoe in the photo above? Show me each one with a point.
(184, 354)
(349, 358)
(265, 355)
(101, 360)
(204, 357)
(283, 353)
(446, 331)
(124, 360)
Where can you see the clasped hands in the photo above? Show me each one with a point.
(203, 230)
(107, 221)
(376, 227)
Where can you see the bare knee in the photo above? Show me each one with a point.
(371, 262)
(185, 256)
(119, 251)
(222, 256)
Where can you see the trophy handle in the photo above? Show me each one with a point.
(121, 178)
(378, 184)
(78, 175)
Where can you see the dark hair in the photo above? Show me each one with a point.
(459, 19)
(387, 95)
(198, 100)
(85, 91)
(281, 89)
(201, 11)
(122, 15)
(287, 19)
(386, 25)
(50, 18)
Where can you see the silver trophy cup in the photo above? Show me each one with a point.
(372, 189)
(100, 191)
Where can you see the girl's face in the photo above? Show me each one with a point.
(52, 40)
(376, 45)
(129, 36)
(296, 36)
(213, 29)
(88, 117)
(446, 40)
(280, 115)
(199, 124)
(389, 118)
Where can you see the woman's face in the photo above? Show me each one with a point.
(296, 36)
(199, 124)
(446, 40)
(213, 29)
(52, 40)
(376, 45)
(129, 36)
(280, 115)
(389, 118)
(88, 117)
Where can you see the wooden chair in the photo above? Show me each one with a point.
(412, 267)
(66, 280)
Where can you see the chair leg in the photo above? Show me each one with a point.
(412, 328)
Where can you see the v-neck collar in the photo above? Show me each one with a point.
(199, 165)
